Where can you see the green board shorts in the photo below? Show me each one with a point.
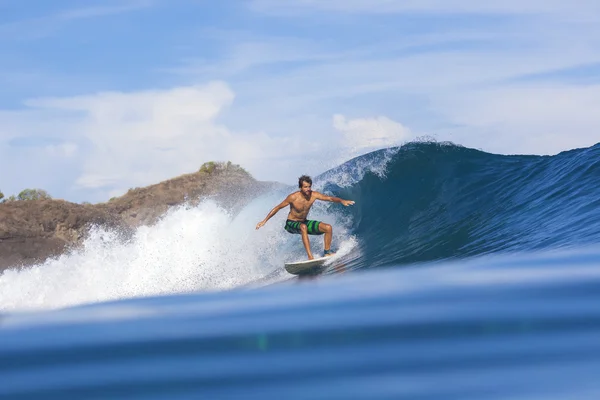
(294, 226)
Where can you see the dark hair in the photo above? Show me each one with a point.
(304, 178)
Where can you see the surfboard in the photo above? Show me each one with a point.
(306, 266)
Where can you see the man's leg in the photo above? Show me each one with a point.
(304, 232)
(328, 231)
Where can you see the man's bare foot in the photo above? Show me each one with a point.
(328, 253)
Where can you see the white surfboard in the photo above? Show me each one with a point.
(306, 266)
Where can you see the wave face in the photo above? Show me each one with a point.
(437, 201)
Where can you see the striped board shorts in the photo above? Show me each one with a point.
(294, 226)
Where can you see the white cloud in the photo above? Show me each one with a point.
(370, 133)
(139, 138)
(526, 119)
(245, 50)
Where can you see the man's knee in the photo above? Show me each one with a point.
(326, 228)
(303, 228)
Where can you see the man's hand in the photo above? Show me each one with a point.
(260, 224)
(347, 202)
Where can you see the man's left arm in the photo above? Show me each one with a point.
(321, 196)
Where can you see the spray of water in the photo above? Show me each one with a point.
(188, 249)
(353, 171)
(200, 248)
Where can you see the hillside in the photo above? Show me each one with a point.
(33, 230)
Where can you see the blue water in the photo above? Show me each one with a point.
(469, 276)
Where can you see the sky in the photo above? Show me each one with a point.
(101, 96)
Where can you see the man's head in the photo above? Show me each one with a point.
(305, 184)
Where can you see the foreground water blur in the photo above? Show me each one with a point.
(513, 327)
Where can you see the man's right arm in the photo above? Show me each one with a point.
(274, 211)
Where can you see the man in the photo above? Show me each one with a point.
(300, 203)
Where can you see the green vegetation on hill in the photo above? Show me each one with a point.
(34, 194)
(212, 166)
(28, 194)
(208, 167)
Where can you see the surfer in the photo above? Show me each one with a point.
(300, 203)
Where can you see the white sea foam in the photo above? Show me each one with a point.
(353, 171)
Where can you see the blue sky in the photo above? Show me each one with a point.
(101, 96)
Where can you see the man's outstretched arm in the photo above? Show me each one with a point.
(274, 211)
(321, 196)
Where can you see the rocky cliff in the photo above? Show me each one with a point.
(33, 230)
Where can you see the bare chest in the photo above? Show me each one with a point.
(302, 205)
